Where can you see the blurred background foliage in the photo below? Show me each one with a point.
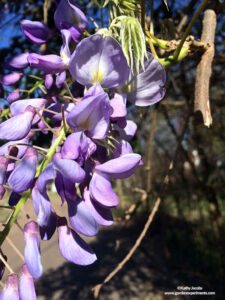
(190, 224)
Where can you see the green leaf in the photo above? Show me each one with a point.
(132, 40)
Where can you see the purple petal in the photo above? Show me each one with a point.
(99, 60)
(147, 88)
(65, 50)
(128, 132)
(101, 190)
(14, 199)
(35, 31)
(121, 149)
(15, 95)
(121, 167)
(46, 232)
(42, 206)
(10, 291)
(81, 218)
(76, 144)
(102, 214)
(32, 250)
(66, 11)
(69, 169)
(72, 247)
(60, 78)
(22, 177)
(48, 81)
(59, 184)
(92, 115)
(74, 31)
(17, 127)
(46, 176)
(21, 149)
(11, 79)
(3, 168)
(18, 107)
(2, 191)
(26, 285)
(17, 62)
(50, 64)
(118, 104)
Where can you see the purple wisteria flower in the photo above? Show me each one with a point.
(147, 87)
(32, 249)
(17, 127)
(99, 60)
(22, 177)
(72, 247)
(17, 62)
(92, 114)
(11, 79)
(26, 285)
(35, 31)
(69, 16)
(10, 291)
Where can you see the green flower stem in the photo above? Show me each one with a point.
(191, 24)
(36, 86)
(5, 113)
(26, 195)
(169, 61)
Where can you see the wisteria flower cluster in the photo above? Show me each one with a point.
(90, 141)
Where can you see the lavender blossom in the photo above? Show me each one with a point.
(17, 62)
(147, 87)
(17, 127)
(50, 64)
(72, 247)
(32, 250)
(13, 96)
(22, 177)
(92, 114)
(10, 291)
(11, 79)
(99, 60)
(26, 285)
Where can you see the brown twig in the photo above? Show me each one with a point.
(204, 70)
(97, 288)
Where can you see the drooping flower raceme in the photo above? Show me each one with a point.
(91, 136)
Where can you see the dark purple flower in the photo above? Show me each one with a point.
(69, 16)
(60, 78)
(35, 31)
(147, 87)
(72, 247)
(99, 60)
(10, 291)
(17, 127)
(22, 177)
(32, 249)
(11, 79)
(127, 132)
(3, 168)
(92, 114)
(46, 232)
(26, 285)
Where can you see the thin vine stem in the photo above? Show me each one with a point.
(188, 30)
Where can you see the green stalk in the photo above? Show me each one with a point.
(27, 194)
(36, 86)
(188, 30)
(5, 113)
(169, 61)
